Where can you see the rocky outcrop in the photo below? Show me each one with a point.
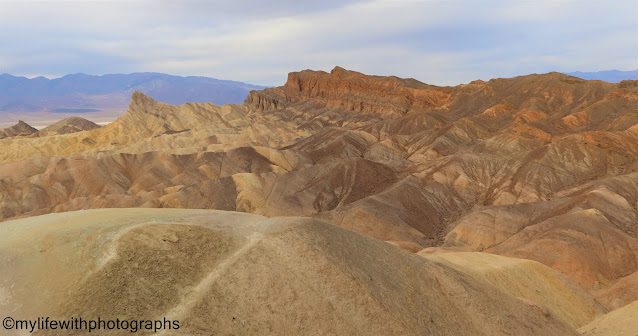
(352, 91)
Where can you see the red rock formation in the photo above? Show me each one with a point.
(352, 91)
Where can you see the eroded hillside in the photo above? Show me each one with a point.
(541, 167)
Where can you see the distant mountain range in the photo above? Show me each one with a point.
(80, 93)
(611, 76)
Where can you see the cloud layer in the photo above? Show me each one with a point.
(436, 41)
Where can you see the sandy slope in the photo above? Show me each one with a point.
(232, 273)
(529, 280)
(620, 322)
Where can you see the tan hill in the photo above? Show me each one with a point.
(621, 293)
(526, 279)
(541, 167)
(231, 273)
(19, 129)
(152, 126)
(68, 125)
(620, 322)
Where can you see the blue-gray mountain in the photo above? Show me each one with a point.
(611, 76)
(80, 93)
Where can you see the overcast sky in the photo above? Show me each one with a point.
(442, 42)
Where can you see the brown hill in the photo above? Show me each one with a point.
(68, 125)
(541, 167)
(19, 129)
(231, 273)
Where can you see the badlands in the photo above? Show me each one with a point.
(339, 203)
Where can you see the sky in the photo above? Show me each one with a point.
(442, 42)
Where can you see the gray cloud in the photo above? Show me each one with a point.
(440, 42)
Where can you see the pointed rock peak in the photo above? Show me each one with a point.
(340, 72)
(70, 125)
(338, 69)
(140, 96)
(19, 129)
(141, 102)
(21, 125)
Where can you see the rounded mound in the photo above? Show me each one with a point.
(232, 273)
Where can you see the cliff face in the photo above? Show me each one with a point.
(541, 166)
(352, 91)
